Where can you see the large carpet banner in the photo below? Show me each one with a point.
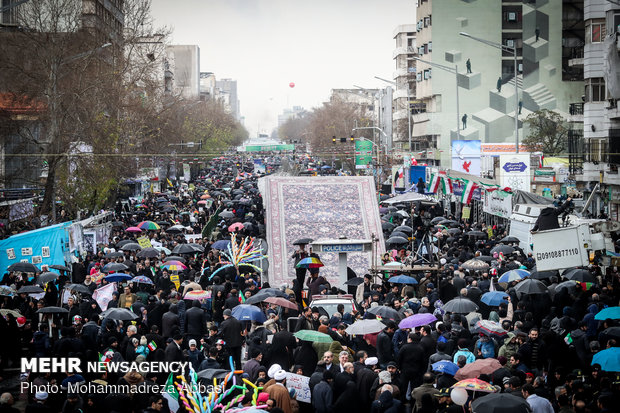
(319, 208)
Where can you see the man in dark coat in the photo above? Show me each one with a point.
(195, 322)
(173, 350)
(548, 218)
(232, 331)
(322, 394)
(385, 352)
(365, 379)
(170, 322)
(411, 362)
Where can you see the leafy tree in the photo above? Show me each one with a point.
(547, 133)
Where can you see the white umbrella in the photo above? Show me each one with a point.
(362, 327)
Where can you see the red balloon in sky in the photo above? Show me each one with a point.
(291, 85)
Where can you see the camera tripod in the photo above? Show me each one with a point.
(418, 256)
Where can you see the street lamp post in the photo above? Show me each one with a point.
(512, 50)
(454, 70)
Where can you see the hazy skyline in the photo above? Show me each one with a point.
(266, 44)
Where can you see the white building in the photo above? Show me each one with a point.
(227, 94)
(601, 116)
(404, 77)
(183, 70)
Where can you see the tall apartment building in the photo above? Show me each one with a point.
(404, 79)
(595, 159)
(183, 70)
(540, 32)
(227, 90)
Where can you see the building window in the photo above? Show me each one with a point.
(418, 77)
(616, 23)
(427, 21)
(430, 46)
(427, 74)
(595, 89)
(595, 31)
(509, 43)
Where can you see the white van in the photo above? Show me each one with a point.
(522, 221)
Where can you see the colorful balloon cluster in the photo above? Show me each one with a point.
(221, 399)
(240, 255)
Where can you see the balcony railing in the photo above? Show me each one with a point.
(575, 151)
(575, 108)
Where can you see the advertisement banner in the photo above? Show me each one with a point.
(259, 166)
(498, 203)
(363, 154)
(186, 172)
(466, 156)
(514, 171)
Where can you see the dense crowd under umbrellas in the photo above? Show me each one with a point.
(457, 319)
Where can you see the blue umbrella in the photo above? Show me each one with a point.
(326, 167)
(494, 298)
(612, 313)
(608, 359)
(403, 279)
(142, 279)
(513, 275)
(221, 245)
(117, 277)
(446, 367)
(247, 312)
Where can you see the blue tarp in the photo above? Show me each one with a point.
(54, 238)
(416, 172)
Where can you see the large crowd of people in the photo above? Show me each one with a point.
(538, 345)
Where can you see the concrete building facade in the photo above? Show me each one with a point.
(404, 78)
(595, 137)
(538, 31)
(227, 92)
(183, 71)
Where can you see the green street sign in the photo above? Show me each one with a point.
(363, 154)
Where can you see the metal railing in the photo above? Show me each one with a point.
(575, 108)
(575, 151)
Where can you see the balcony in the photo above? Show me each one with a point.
(403, 50)
(575, 56)
(575, 151)
(575, 112)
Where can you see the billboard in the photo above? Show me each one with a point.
(363, 154)
(466, 156)
(498, 203)
(514, 171)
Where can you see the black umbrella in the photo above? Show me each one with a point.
(118, 314)
(30, 289)
(477, 234)
(22, 267)
(163, 223)
(448, 223)
(52, 310)
(174, 230)
(131, 246)
(210, 374)
(454, 231)
(226, 214)
(396, 241)
(114, 254)
(580, 275)
(114, 266)
(265, 293)
(123, 242)
(59, 267)
(148, 253)
(47, 277)
(80, 288)
(613, 332)
(399, 234)
(174, 258)
(404, 228)
(500, 403)
(504, 249)
(118, 224)
(385, 312)
(543, 275)
(183, 249)
(510, 239)
(388, 226)
(485, 258)
(529, 286)
(196, 247)
(437, 220)
(354, 281)
(460, 305)
(303, 241)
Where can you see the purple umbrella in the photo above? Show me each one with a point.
(417, 320)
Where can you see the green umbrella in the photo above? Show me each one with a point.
(311, 335)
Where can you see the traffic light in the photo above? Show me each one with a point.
(334, 140)
(352, 139)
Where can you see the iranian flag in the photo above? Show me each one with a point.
(468, 191)
(434, 184)
(446, 185)
(152, 345)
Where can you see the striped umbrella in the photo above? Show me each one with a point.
(196, 295)
(174, 265)
(142, 279)
(310, 262)
(489, 328)
(148, 226)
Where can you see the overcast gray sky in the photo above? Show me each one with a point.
(267, 44)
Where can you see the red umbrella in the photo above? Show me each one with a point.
(478, 367)
(237, 226)
(282, 302)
